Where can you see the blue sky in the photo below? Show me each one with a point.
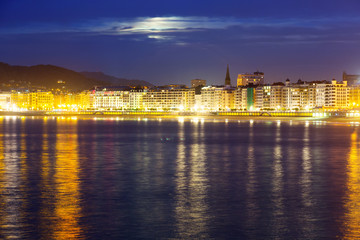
(176, 41)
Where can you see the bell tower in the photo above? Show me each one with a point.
(227, 78)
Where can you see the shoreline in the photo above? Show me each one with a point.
(208, 117)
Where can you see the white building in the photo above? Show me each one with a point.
(5, 101)
(337, 95)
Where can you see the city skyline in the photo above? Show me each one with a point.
(175, 42)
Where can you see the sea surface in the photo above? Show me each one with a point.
(113, 178)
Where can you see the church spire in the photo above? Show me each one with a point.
(227, 78)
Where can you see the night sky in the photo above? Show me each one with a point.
(174, 41)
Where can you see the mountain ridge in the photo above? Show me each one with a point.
(115, 80)
(46, 75)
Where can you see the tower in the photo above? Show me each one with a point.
(227, 78)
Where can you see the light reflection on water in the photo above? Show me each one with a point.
(191, 186)
(67, 209)
(64, 178)
(11, 184)
(277, 218)
(352, 204)
(251, 185)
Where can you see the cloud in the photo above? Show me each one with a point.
(182, 29)
(172, 24)
(160, 37)
(150, 25)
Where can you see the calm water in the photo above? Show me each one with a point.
(66, 178)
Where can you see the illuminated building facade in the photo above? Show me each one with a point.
(217, 98)
(20, 99)
(5, 101)
(85, 100)
(169, 99)
(238, 99)
(295, 97)
(276, 97)
(111, 98)
(262, 97)
(337, 95)
(67, 101)
(211, 98)
(354, 93)
(33, 100)
(250, 98)
(244, 98)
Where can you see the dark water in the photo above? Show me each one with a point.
(67, 178)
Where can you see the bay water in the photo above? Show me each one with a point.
(192, 178)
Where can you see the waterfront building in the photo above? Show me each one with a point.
(276, 96)
(136, 99)
(238, 99)
(312, 95)
(354, 96)
(259, 98)
(295, 97)
(167, 99)
(197, 102)
(304, 103)
(336, 95)
(111, 98)
(66, 101)
(320, 89)
(5, 101)
(316, 94)
(288, 97)
(40, 100)
(244, 98)
(266, 97)
(250, 98)
(85, 100)
(20, 99)
(244, 79)
(217, 98)
(212, 98)
(228, 99)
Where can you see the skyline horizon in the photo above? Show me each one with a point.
(187, 82)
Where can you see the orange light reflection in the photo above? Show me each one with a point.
(67, 199)
(352, 204)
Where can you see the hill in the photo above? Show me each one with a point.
(115, 80)
(48, 76)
